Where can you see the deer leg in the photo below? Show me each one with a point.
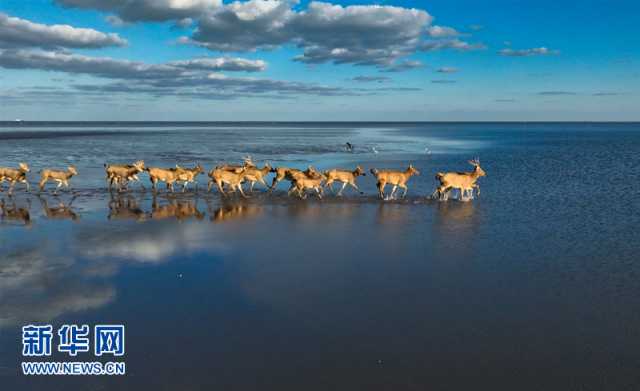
(393, 192)
(291, 188)
(381, 186)
(28, 186)
(261, 180)
(330, 185)
(251, 188)
(344, 184)
(274, 182)
(353, 184)
(405, 190)
(463, 194)
(241, 192)
(221, 189)
(11, 186)
(318, 193)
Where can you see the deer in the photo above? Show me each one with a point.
(465, 182)
(122, 174)
(167, 175)
(255, 174)
(301, 183)
(221, 176)
(14, 176)
(247, 162)
(62, 177)
(344, 176)
(287, 173)
(189, 175)
(395, 178)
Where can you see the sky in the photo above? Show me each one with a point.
(268, 60)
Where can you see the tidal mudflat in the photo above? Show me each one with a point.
(533, 285)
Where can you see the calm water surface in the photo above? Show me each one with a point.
(533, 286)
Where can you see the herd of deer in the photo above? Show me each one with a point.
(232, 176)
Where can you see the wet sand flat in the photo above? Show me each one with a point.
(533, 285)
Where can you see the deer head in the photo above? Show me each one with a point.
(478, 170)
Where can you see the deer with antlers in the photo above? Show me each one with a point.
(465, 182)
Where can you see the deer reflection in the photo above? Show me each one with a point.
(61, 211)
(15, 213)
(393, 214)
(180, 209)
(455, 213)
(125, 207)
(233, 211)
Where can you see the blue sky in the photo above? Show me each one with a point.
(347, 60)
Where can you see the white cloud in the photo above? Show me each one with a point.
(442, 32)
(357, 34)
(541, 51)
(20, 33)
(447, 70)
(147, 10)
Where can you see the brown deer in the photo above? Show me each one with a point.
(344, 176)
(62, 177)
(255, 174)
(166, 175)
(465, 182)
(288, 173)
(122, 174)
(14, 176)
(247, 162)
(301, 183)
(189, 175)
(395, 178)
(221, 176)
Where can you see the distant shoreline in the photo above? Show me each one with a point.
(26, 123)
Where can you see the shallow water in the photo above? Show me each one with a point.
(533, 285)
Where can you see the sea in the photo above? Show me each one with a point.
(534, 284)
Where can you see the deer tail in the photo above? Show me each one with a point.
(374, 171)
(439, 175)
